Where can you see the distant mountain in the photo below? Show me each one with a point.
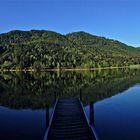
(40, 49)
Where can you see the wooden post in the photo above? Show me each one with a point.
(91, 109)
(47, 116)
(80, 95)
(55, 97)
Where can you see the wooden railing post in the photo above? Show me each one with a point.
(47, 116)
(91, 110)
(80, 95)
(55, 96)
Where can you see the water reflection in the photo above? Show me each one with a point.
(28, 97)
(37, 90)
(23, 124)
(118, 117)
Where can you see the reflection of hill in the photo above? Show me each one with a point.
(36, 90)
(109, 87)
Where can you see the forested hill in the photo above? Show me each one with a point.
(40, 49)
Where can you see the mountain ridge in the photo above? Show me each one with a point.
(75, 32)
(41, 49)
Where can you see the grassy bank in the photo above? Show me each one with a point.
(69, 69)
(135, 66)
(72, 69)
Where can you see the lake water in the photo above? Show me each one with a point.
(25, 99)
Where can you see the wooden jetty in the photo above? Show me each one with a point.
(69, 122)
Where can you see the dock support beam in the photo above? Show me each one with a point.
(80, 95)
(47, 116)
(55, 96)
(91, 109)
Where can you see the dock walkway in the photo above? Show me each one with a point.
(69, 122)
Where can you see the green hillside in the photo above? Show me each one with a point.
(40, 49)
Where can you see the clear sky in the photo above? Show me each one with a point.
(116, 19)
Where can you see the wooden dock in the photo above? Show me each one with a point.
(69, 122)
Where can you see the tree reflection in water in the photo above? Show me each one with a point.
(38, 90)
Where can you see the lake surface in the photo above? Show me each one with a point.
(26, 98)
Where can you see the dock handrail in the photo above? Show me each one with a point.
(50, 122)
(88, 122)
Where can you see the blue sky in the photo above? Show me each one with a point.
(116, 19)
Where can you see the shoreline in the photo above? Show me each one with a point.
(62, 69)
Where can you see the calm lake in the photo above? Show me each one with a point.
(25, 99)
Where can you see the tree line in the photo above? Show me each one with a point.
(38, 50)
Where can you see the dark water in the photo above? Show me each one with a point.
(114, 94)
